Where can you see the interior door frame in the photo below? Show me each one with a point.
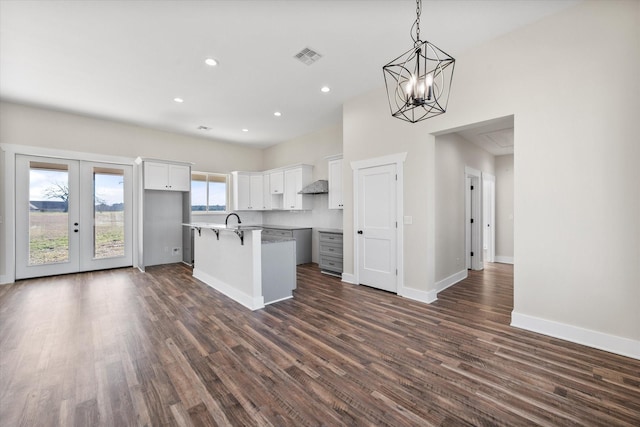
(397, 159)
(9, 178)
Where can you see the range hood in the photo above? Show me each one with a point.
(320, 186)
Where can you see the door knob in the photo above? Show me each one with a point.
(359, 231)
(75, 223)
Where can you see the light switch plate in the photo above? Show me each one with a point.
(408, 220)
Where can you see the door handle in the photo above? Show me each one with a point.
(359, 231)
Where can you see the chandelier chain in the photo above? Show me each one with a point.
(418, 13)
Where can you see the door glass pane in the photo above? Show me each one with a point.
(48, 213)
(108, 213)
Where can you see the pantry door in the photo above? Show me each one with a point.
(71, 216)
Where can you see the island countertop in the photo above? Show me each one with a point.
(266, 239)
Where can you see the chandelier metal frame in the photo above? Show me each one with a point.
(419, 81)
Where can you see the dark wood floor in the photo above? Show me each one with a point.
(124, 348)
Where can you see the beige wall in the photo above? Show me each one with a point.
(311, 149)
(452, 154)
(504, 207)
(576, 202)
(23, 125)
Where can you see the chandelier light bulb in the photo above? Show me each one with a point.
(429, 86)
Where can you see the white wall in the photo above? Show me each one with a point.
(577, 237)
(504, 208)
(452, 154)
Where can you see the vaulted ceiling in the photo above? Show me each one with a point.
(129, 60)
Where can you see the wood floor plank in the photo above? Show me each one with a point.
(121, 347)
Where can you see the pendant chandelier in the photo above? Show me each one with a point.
(419, 81)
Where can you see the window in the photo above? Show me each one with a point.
(209, 192)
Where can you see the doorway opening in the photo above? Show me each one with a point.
(474, 198)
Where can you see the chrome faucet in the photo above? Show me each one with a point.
(227, 218)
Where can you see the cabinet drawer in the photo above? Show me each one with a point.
(278, 233)
(330, 237)
(331, 248)
(328, 262)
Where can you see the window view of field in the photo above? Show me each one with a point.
(49, 217)
(208, 192)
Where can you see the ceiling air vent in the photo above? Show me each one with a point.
(307, 56)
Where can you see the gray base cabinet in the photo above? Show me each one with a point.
(330, 252)
(278, 270)
(302, 236)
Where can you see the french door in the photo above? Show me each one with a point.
(72, 216)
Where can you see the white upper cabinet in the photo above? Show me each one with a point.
(295, 179)
(276, 182)
(335, 184)
(166, 176)
(257, 201)
(247, 191)
(266, 192)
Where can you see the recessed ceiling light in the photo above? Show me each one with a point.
(178, 100)
(210, 61)
(325, 89)
(277, 114)
(245, 130)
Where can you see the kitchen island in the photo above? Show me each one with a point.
(251, 269)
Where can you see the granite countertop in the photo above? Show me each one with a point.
(329, 230)
(266, 240)
(284, 227)
(233, 227)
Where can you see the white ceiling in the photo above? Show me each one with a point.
(494, 136)
(128, 60)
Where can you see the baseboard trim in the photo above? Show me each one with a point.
(451, 280)
(417, 295)
(6, 280)
(239, 297)
(503, 259)
(349, 278)
(611, 343)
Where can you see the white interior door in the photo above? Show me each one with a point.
(473, 219)
(71, 216)
(488, 216)
(377, 227)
